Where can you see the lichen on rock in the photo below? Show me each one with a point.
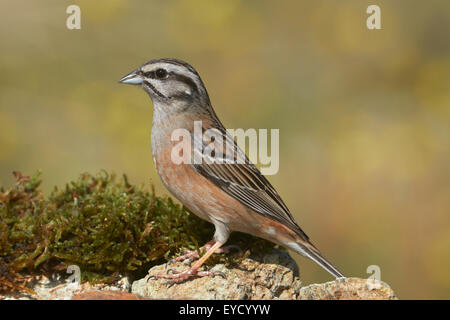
(348, 289)
(267, 276)
(273, 275)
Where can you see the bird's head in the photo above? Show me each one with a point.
(169, 81)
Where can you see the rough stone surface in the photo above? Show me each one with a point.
(106, 295)
(271, 276)
(56, 288)
(348, 289)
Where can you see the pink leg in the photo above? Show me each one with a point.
(191, 255)
(193, 271)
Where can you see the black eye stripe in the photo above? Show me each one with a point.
(150, 74)
(173, 75)
(159, 74)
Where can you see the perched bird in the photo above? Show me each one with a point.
(225, 188)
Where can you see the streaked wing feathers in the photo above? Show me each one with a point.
(244, 182)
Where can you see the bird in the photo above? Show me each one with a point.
(223, 187)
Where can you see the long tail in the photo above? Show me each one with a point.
(309, 251)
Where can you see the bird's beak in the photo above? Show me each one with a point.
(132, 78)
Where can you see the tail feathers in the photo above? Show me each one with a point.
(309, 251)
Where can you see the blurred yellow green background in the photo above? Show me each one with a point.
(363, 114)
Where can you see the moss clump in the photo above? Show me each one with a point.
(103, 225)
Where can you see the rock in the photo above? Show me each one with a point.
(269, 276)
(57, 288)
(258, 277)
(348, 289)
(106, 295)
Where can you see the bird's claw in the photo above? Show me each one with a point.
(175, 276)
(219, 273)
(187, 255)
(172, 271)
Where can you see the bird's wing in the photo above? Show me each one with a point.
(227, 166)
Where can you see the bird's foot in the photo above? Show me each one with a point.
(177, 277)
(191, 255)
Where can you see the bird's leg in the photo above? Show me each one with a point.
(193, 271)
(226, 249)
(191, 255)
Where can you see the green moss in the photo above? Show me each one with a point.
(103, 225)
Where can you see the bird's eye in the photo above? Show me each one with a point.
(161, 74)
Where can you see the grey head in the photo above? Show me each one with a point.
(169, 82)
